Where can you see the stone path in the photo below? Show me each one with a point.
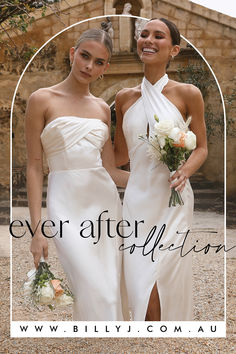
(208, 300)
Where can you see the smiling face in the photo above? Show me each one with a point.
(89, 61)
(155, 43)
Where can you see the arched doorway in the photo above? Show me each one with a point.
(143, 6)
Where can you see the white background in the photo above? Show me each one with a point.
(227, 7)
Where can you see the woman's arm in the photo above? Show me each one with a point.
(120, 177)
(195, 109)
(120, 146)
(34, 124)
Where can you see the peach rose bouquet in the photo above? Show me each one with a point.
(171, 145)
(42, 288)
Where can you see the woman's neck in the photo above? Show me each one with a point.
(154, 73)
(71, 85)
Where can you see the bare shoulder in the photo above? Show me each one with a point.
(102, 109)
(40, 95)
(128, 93)
(127, 97)
(189, 91)
(39, 100)
(102, 104)
(37, 107)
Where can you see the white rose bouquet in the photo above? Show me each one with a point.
(44, 289)
(171, 145)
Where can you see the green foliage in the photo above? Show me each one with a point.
(43, 10)
(43, 275)
(21, 22)
(20, 55)
(172, 156)
(43, 278)
(18, 15)
(27, 54)
(201, 77)
(16, 11)
(198, 76)
(230, 100)
(214, 123)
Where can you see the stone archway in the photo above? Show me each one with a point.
(135, 10)
(110, 93)
(145, 6)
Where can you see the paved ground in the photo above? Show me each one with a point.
(208, 299)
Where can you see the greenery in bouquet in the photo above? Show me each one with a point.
(171, 145)
(43, 288)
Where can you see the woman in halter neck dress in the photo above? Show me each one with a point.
(71, 127)
(158, 288)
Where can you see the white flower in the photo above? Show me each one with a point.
(162, 141)
(28, 285)
(190, 140)
(46, 294)
(164, 127)
(184, 125)
(175, 134)
(64, 300)
(28, 288)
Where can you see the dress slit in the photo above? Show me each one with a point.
(149, 298)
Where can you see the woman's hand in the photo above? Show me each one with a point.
(39, 248)
(178, 180)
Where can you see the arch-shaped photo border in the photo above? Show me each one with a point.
(223, 330)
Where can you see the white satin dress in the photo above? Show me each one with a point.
(146, 201)
(79, 190)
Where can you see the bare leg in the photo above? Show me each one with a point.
(154, 308)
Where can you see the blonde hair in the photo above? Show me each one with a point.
(97, 35)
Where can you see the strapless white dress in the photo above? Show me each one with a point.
(79, 190)
(146, 198)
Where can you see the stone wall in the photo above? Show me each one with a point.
(212, 33)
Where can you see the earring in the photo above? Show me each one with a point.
(71, 62)
(172, 57)
(101, 77)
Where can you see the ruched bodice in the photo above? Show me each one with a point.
(72, 143)
(79, 190)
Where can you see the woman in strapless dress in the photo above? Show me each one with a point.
(158, 281)
(71, 126)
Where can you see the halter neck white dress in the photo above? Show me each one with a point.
(79, 190)
(146, 201)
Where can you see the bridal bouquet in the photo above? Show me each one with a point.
(44, 289)
(171, 145)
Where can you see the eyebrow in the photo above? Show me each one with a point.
(86, 52)
(159, 32)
